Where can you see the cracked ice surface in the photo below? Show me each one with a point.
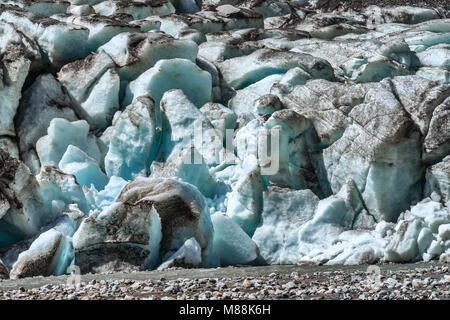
(164, 133)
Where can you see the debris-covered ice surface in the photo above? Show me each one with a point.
(169, 133)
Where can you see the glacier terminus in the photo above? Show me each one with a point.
(156, 134)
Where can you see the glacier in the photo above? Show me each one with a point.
(141, 135)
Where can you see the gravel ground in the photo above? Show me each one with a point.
(393, 282)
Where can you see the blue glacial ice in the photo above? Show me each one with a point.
(189, 255)
(100, 199)
(241, 72)
(15, 66)
(185, 125)
(211, 21)
(40, 7)
(285, 210)
(145, 135)
(80, 10)
(43, 101)
(231, 244)
(134, 140)
(172, 74)
(58, 42)
(95, 95)
(48, 255)
(136, 52)
(150, 227)
(137, 9)
(62, 133)
(85, 169)
(101, 30)
(59, 190)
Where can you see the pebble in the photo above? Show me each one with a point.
(426, 283)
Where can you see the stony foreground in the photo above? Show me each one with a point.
(396, 282)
